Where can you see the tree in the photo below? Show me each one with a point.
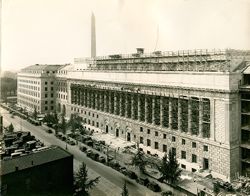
(216, 187)
(11, 128)
(74, 122)
(82, 184)
(125, 190)
(163, 167)
(139, 161)
(63, 125)
(169, 168)
(35, 114)
(56, 118)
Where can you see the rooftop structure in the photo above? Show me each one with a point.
(185, 60)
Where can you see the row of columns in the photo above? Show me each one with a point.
(190, 115)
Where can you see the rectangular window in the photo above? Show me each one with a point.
(174, 151)
(193, 144)
(194, 158)
(148, 131)
(141, 140)
(52, 88)
(52, 107)
(183, 142)
(45, 88)
(183, 166)
(183, 154)
(46, 102)
(164, 136)
(194, 170)
(52, 95)
(205, 163)
(46, 83)
(173, 138)
(156, 145)
(46, 108)
(97, 124)
(164, 148)
(205, 148)
(141, 129)
(52, 102)
(156, 133)
(148, 142)
(45, 95)
(51, 82)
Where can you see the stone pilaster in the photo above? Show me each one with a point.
(139, 108)
(132, 106)
(153, 110)
(200, 118)
(161, 110)
(189, 117)
(146, 108)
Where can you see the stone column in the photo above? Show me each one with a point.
(139, 109)
(110, 100)
(200, 118)
(146, 108)
(105, 100)
(126, 104)
(212, 119)
(120, 111)
(189, 117)
(179, 114)
(161, 110)
(170, 112)
(115, 102)
(132, 105)
(153, 109)
(96, 98)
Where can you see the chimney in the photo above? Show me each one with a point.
(140, 50)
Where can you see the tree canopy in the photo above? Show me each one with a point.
(139, 161)
(82, 184)
(169, 168)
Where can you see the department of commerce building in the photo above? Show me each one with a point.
(196, 103)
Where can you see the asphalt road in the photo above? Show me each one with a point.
(111, 182)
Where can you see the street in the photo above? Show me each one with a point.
(111, 181)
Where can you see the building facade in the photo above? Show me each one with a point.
(36, 88)
(187, 101)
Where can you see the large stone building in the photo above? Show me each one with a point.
(36, 88)
(187, 101)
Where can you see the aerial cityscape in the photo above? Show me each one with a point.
(151, 121)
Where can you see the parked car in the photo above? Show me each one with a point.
(123, 170)
(72, 143)
(167, 193)
(95, 156)
(132, 175)
(89, 153)
(49, 131)
(63, 138)
(143, 181)
(89, 143)
(154, 187)
(102, 159)
(83, 148)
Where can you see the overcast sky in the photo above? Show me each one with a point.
(56, 31)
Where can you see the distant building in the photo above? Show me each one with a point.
(36, 88)
(47, 171)
(196, 103)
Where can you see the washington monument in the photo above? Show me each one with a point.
(93, 36)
